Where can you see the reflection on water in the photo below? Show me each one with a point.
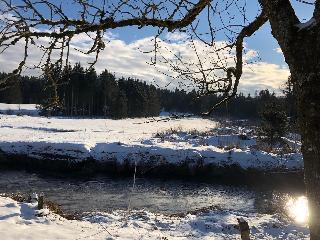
(105, 194)
(298, 209)
(159, 196)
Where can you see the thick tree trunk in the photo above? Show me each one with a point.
(300, 45)
(308, 91)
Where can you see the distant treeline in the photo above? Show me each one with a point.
(78, 92)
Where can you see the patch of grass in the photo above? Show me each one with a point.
(280, 149)
(197, 211)
(232, 146)
(55, 208)
(18, 197)
(52, 206)
(179, 130)
(168, 132)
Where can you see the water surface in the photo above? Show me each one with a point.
(103, 193)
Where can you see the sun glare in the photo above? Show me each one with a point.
(298, 209)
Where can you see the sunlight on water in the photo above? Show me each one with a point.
(298, 209)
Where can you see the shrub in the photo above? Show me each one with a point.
(274, 124)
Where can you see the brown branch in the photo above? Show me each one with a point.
(82, 26)
(236, 72)
(17, 25)
(61, 29)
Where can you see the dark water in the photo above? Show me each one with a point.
(169, 197)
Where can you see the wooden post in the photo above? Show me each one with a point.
(40, 201)
(244, 229)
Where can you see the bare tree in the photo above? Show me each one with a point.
(47, 25)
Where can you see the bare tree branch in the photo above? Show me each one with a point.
(247, 31)
(29, 22)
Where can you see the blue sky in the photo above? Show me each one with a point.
(122, 58)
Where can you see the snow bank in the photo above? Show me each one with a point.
(20, 221)
(154, 141)
(19, 109)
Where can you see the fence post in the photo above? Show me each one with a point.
(40, 201)
(244, 229)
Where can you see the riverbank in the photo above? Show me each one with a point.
(22, 220)
(156, 146)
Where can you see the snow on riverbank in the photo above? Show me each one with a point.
(19, 109)
(149, 141)
(19, 221)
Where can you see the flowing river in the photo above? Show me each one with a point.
(100, 193)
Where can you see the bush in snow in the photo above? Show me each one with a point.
(274, 124)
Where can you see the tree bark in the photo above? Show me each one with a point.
(305, 70)
(301, 48)
(308, 87)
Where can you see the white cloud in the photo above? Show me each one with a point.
(262, 75)
(176, 36)
(125, 59)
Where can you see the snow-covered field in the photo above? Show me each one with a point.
(153, 141)
(20, 221)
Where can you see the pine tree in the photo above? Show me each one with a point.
(120, 106)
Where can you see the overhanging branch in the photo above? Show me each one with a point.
(236, 72)
(16, 25)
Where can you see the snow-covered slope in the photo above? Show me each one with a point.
(152, 141)
(18, 221)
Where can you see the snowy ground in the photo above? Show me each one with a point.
(20, 221)
(19, 109)
(154, 141)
